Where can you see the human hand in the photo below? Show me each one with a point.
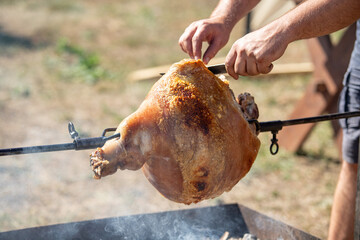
(212, 30)
(254, 53)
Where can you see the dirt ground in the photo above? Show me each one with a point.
(68, 60)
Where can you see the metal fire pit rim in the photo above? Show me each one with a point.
(237, 215)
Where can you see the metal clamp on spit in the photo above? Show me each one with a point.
(77, 144)
(275, 126)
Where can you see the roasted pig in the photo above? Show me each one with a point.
(190, 136)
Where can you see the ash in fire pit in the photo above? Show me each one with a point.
(246, 236)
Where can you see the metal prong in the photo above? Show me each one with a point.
(73, 133)
(116, 135)
(108, 130)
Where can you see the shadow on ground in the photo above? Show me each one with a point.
(8, 39)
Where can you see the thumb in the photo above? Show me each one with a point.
(270, 67)
(265, 69)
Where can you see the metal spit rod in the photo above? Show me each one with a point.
(77, 144)
(271, 126)
(89, 143)
(275, 126)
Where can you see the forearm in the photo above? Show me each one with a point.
(231, 11)
(254, 53)
(315, 18)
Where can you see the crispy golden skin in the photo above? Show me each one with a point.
(189, 136)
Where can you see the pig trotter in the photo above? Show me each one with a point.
(97, 162)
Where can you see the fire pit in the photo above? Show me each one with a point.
(197, 223)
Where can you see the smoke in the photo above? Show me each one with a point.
(198, 223)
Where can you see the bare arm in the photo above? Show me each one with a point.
(231, 11)
(316, 18)
(216, 29)
(254, 53)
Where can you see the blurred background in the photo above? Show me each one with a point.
(63, 60)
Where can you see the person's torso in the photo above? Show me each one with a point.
(352, 76)
(355, 56)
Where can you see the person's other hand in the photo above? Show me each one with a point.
(254, 53)
(212, 30)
